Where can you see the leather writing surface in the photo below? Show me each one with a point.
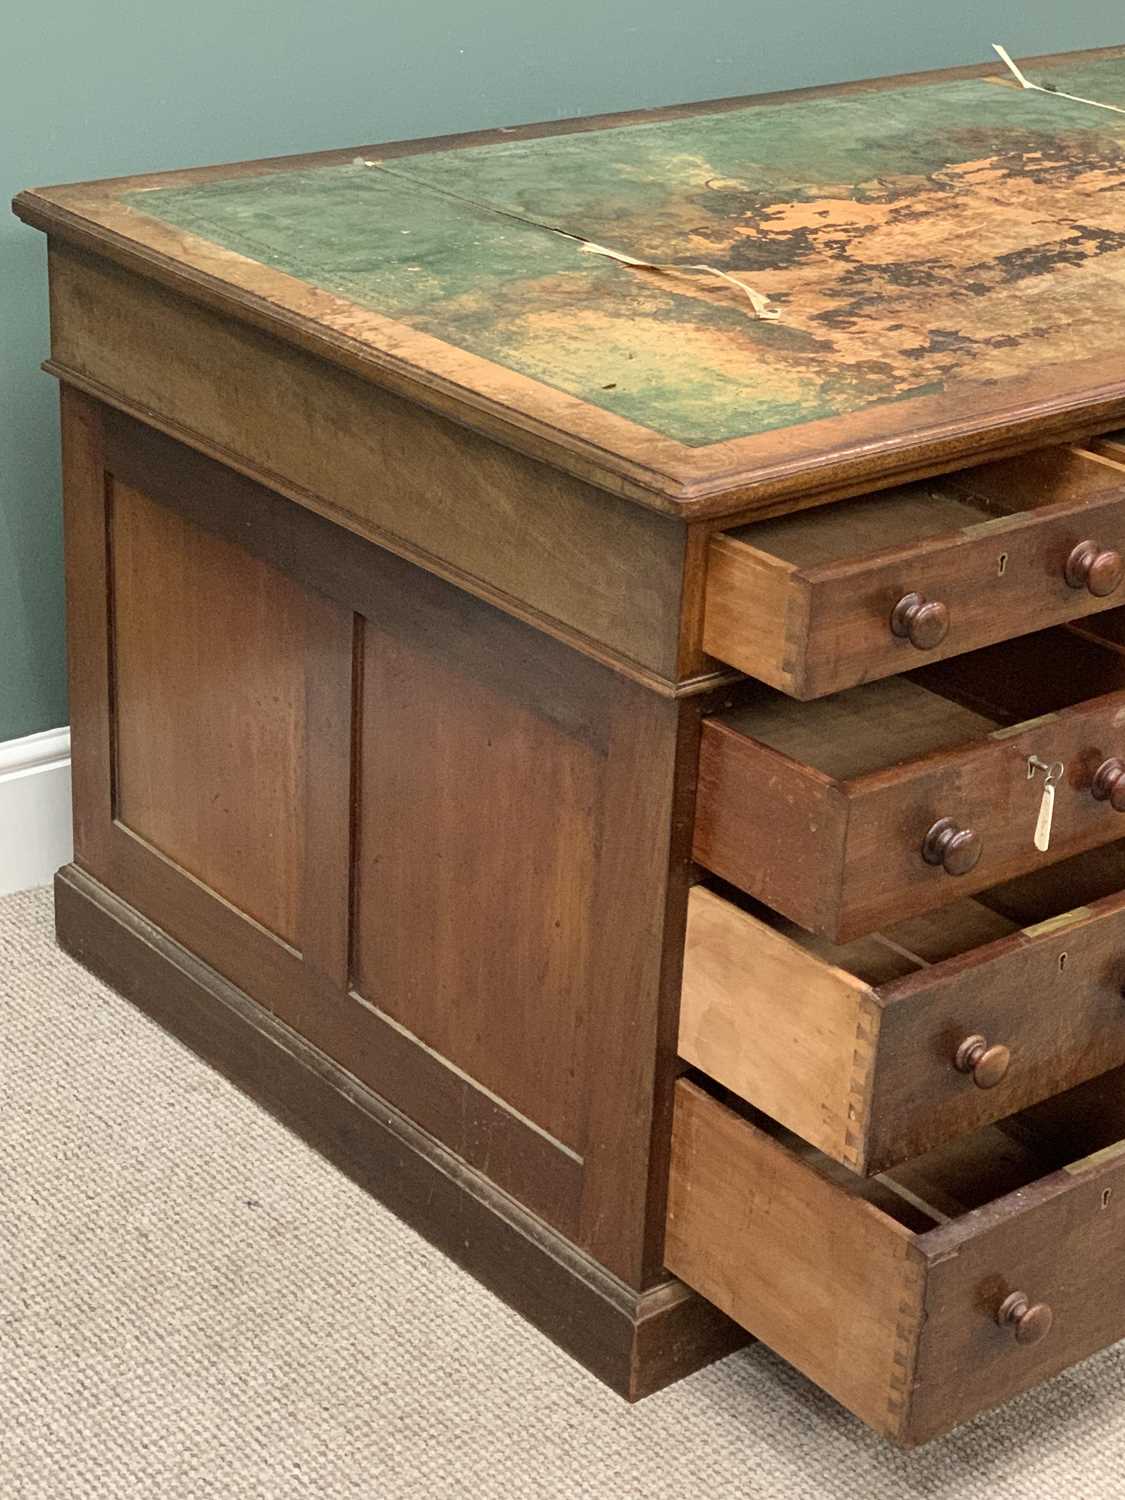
(915, 240)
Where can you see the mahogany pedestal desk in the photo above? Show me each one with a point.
(626, 761)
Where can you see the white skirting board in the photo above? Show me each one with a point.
(35, 834)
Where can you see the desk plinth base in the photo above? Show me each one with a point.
(635, 1342)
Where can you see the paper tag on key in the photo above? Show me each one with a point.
(1046, 813)
(1047, 802)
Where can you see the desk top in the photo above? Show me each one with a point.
(937, 267)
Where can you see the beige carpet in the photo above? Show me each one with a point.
(192, 1304)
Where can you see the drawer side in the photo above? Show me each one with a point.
(772, 827)
(815, 1271)
(779, 1026)
(756, 614)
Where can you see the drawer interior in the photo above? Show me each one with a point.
(918, 943)
(1044, 894)
(1111, 445)
(910, 514)
(976, 1169)
(943, 1185)
(882, 724)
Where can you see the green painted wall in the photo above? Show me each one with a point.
(98, 90)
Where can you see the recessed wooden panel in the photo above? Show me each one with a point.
(209, 709)
(478, 835)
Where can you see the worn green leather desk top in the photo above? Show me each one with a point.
(939, 253)
(908, 239)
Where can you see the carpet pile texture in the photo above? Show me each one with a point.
(193, 1304)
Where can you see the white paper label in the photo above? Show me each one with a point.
(1046, 813)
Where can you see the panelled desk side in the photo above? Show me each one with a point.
(354, 860)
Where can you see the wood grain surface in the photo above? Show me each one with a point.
(209, 683)
(816, 1271)
(362, 795)
(854, 1047)
(530, 539)
(823, 816)
(805, 601)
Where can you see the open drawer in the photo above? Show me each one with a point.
(920, 1298)
(906, 795)
(889, 1046)
(1112, 445)
(819, 600)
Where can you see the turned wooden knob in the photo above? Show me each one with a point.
(956, 849)
(1098, 569)
(1108, 784)
(924, 623)
(1029, 1323)
(988, 1065)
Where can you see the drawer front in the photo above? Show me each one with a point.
(816, 629)
(899, 1054)
(844, 855)
(914, 1317)
(1060, 1245)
